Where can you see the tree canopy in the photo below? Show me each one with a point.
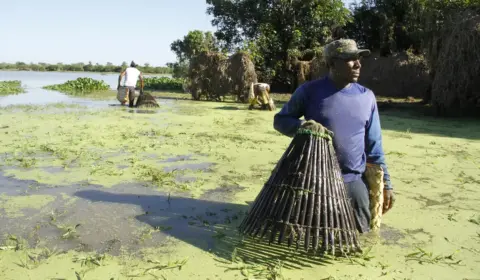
(272, 31)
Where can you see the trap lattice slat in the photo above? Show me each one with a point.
(304, 201)
(146, 100)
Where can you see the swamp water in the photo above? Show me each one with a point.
(107, 192)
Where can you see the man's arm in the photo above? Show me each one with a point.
(287, 121)
(141, 81)
(120, 78)
(373, 144)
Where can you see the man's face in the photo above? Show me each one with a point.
(347, 69)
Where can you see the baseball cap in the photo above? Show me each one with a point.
(344, 49)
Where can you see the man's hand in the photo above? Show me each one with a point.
(388, 200)
(316, 127)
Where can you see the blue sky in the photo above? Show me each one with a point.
(100, 31)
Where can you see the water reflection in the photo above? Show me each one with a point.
(35, 95)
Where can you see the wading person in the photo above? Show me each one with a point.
(259, 94)
(337, 104)
(132, 75)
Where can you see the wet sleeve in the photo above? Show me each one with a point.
(373, 144)
(287, 121)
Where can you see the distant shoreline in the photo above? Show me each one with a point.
(96, 72)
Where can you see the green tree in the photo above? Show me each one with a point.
(178, 69)
(193, 43)
(272, 30)
(397, 25)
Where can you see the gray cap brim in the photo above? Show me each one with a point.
(359, 52)
(364, 52)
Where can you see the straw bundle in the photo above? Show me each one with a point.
(301, 70)
(146, 100)
(304, 200)
(318, 68)
(271, 104)
(241, 70)
(456, 87)
(374, 175)
(207, 76)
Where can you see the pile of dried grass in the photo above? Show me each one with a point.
(456, 86)
(241, 71)
(212, 75)
(301, 72)
(318, 68)
(398, 75)
(207, 76)
(306, 66)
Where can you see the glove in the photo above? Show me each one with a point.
(316, 127)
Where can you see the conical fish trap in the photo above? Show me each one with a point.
(305, 201)
(146, 100)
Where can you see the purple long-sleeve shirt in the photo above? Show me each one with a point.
(351, 114)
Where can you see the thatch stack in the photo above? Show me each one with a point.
(305, 201)
(456, 85)
(318, 68)
(301, 72)
(399, 75)
(207, 76)
(242, 74)
(307, 66)
(212, 75)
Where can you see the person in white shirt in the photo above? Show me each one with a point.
(132, 75)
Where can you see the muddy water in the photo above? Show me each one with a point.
(153, 189)
(129, 216)
(35, 95)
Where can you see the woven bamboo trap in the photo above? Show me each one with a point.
(304, 201)
(146, 100)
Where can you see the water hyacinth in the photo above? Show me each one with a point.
(11, 87)
(80, 86)
(163, 83)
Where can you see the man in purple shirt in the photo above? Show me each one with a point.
(337, 103)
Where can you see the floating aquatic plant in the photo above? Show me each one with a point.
(80, 86)
(11, 87)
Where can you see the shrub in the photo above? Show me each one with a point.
(163, 84)
(80, 86)
(11, 87)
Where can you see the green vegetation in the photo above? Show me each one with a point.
(137, 191)
(80, 86)
(82, 67)
(163, 84)
(190, 45)
(11, 87)
(274, 31)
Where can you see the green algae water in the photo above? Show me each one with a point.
(116, 193)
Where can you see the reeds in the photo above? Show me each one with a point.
(305, 201)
